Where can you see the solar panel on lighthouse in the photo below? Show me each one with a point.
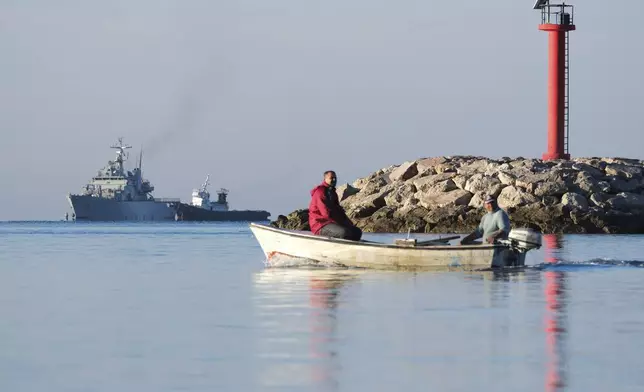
(540, 4)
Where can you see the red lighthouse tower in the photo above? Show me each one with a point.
(557, 20)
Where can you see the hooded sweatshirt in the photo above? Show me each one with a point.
(325, 208)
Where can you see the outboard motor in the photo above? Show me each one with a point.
(519, 242)
(524, 239)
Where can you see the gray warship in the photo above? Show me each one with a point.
(116, 194)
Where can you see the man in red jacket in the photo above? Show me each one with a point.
(326, 216)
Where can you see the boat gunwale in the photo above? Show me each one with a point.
(315, 237)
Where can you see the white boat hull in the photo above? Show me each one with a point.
(364, 254)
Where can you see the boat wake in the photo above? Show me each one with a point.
(279, 260)
(592, 263)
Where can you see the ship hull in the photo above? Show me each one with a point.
(186, 212)
(89, 208)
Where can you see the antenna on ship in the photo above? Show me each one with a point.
(120, 147)
(206, 183)
(139, 173)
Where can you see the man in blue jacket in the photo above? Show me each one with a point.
(495, 225)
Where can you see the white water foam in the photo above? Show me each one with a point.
(279, 260)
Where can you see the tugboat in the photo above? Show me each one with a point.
(116, 194)
(202, 209)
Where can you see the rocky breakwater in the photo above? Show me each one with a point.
(445, 195)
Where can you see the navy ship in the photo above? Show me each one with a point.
(116, 194)
(202, 208)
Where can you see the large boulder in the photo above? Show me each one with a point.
(475, 167)
(506, 178)
(400, 194)
(346, 190)
(512, 196)
(574, 201)
(373, 185)
(588, 185)
(480, 183)
(557, 188)
(426, 166)
(296, 220)
(622, 185)
(528, 180)
(547, 219)
(427, 182)
(588, 170)
(624, 171)
(360, 207)
(457, 197)
(626, 201)
(404, 172)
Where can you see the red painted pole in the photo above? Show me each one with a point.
(556, 89)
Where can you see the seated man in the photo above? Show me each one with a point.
(494, 225)
(326, 216)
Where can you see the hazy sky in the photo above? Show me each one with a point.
(266, 95)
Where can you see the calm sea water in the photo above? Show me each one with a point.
(191, 307)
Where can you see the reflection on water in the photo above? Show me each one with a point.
(321, 289)
(323, 298)
(307, 315)
(348, 329)
(555, 317)
(210, 318)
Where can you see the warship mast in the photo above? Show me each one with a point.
(120, 147)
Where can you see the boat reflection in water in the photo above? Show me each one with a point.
(555, 316)
(310, 357)
(324, 300)
(556, 297)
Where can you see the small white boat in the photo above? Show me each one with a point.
(404, 253)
